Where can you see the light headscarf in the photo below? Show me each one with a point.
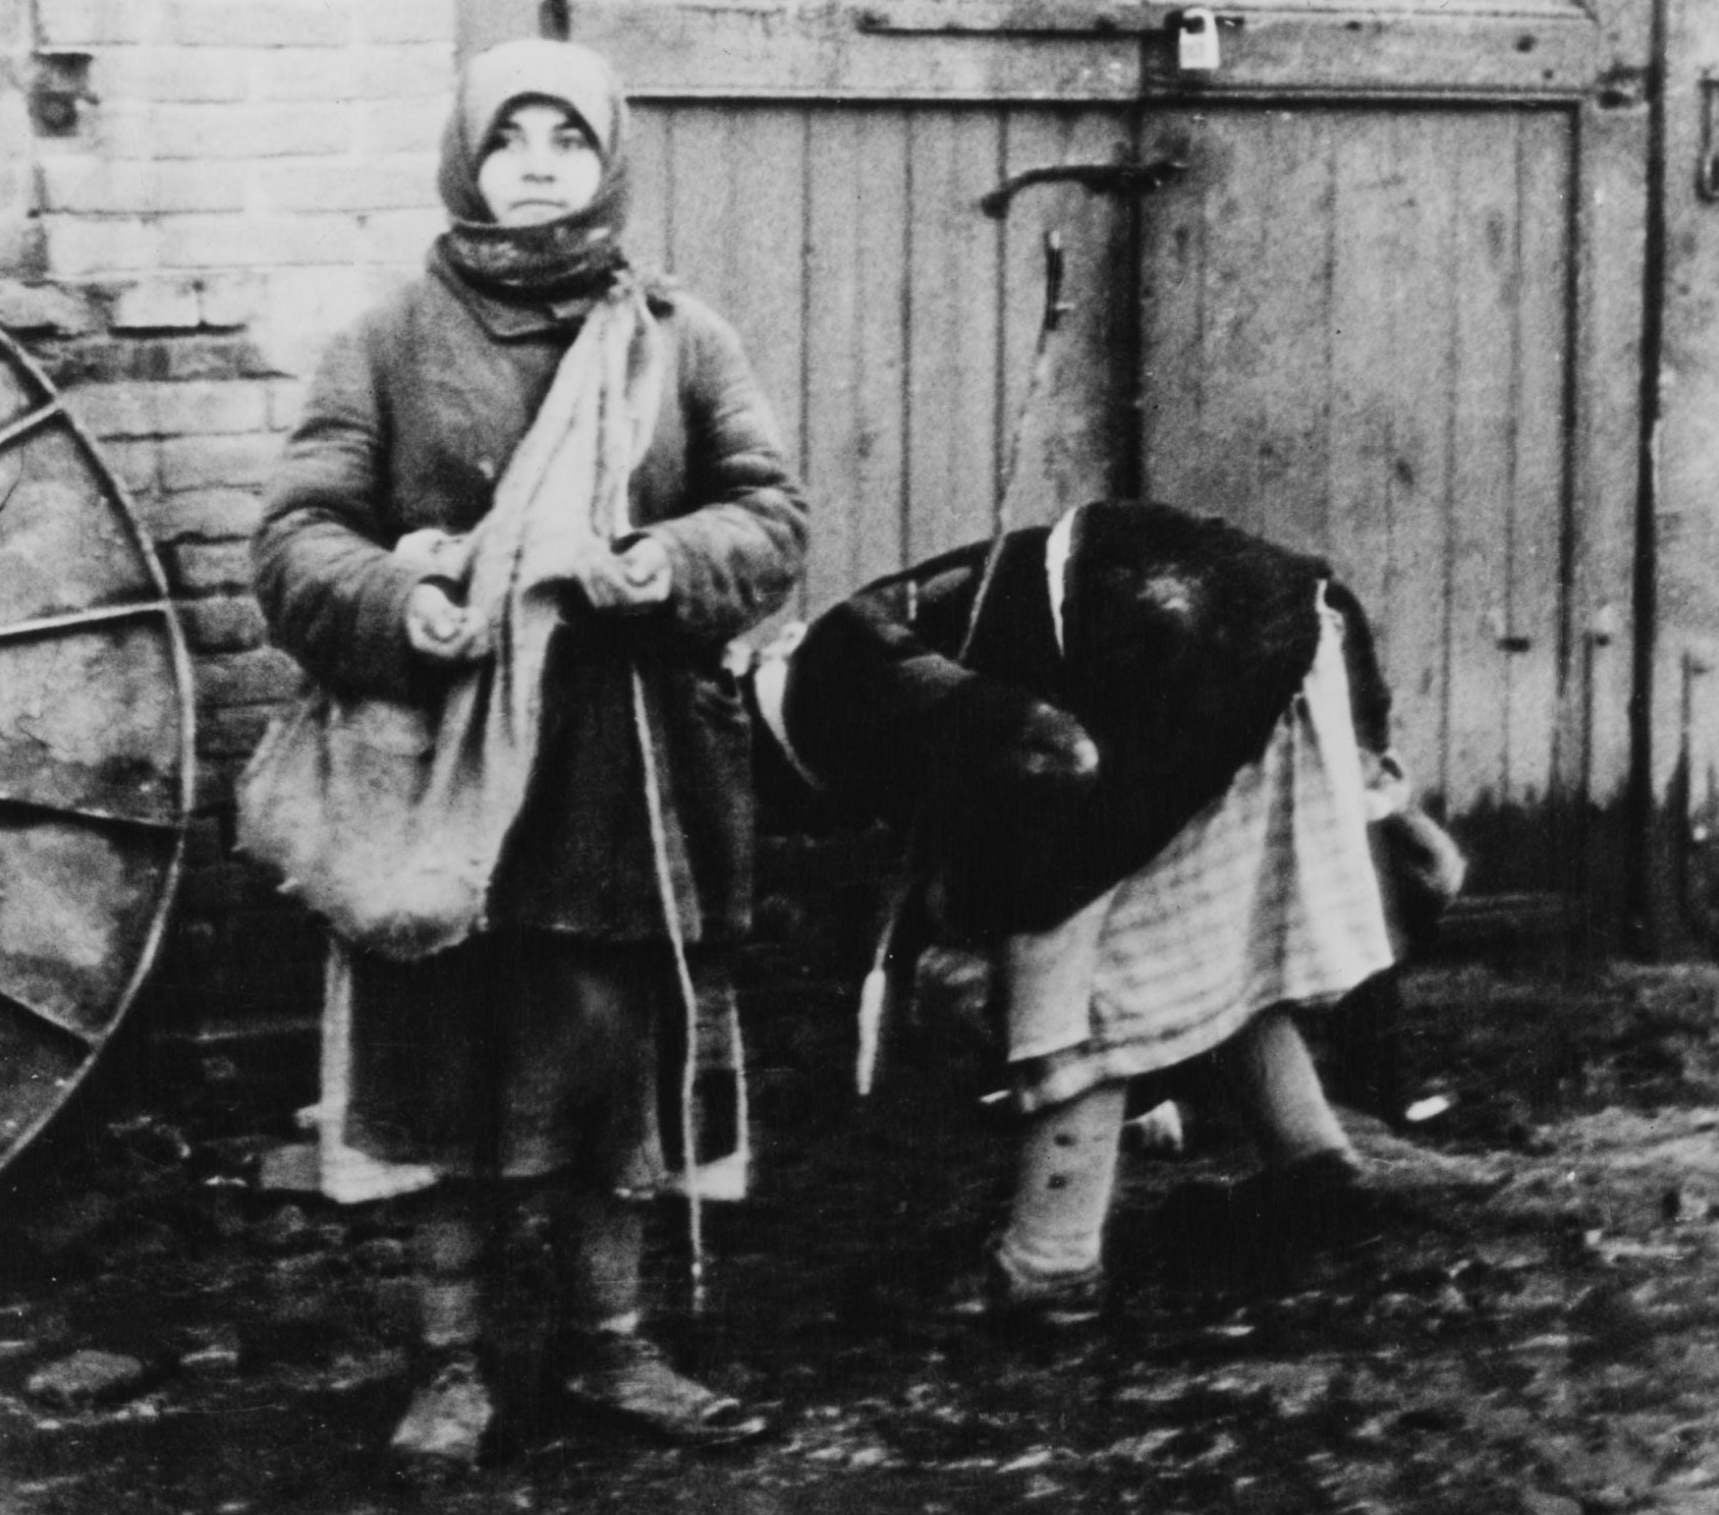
(577, 254)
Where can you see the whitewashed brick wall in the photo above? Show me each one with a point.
(247, 177)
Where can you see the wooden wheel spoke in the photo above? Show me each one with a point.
(52, 1019)
(28, 422)
(89, 815)
(78, 620)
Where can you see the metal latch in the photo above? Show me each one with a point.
(1100, 178)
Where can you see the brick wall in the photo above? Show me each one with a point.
(193, 195)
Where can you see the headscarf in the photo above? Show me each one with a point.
(576, 255)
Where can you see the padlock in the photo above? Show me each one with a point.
(1197, 40)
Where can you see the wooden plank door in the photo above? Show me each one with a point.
(1392, 312)
(1372, 317)
(1358, 336)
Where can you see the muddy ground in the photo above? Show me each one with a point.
(1534, 1328)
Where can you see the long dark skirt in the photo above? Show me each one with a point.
(518, 1054)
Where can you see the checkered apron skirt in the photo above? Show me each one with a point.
(1267, 896)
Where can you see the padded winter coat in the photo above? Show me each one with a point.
(409, 422)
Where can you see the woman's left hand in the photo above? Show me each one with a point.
(628, 582)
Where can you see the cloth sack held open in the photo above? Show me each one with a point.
(388, 819)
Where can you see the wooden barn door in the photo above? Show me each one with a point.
(1390, 311)
(1389, 315)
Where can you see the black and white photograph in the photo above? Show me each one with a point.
(859, 757)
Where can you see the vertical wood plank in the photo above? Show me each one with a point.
(1616, 864)
(1227, 359)
(1236, 288)
(1172, 309)
(733, 234)
(1487, 361)
(651, 170)
(1606, 432)
(1411, 355)
(834, 425)
(1279, 403)
(856, 336)
(1540, 494)
(765, 292)
(702, 146)
(953, 331)
(1367, 181)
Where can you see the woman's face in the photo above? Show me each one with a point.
(538, 166)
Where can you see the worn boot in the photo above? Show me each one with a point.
(447, 1427)
(612, 1370)
(1001, 1295)
(448, 1424)
(623, 1376)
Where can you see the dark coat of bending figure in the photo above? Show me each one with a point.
(1130, 671)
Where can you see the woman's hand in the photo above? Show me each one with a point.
(628, 582)
(439, 627)
(430, 550)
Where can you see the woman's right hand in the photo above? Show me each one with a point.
(438, 627)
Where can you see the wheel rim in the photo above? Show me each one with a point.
(97, 743)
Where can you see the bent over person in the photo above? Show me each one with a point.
(1149, 783)
(394, 558)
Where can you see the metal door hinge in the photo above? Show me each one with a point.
(1707, 168)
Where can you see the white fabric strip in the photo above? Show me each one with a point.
(1057, 548)
(770, 688)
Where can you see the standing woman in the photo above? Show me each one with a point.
(524, 1060)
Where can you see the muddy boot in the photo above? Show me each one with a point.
(611, 1370)
(1003, 1297)
(448, 1424)
(447, 1427)
(623, 1377)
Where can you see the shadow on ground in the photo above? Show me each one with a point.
(1533, 1327)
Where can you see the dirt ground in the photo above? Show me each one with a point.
(1532, 1329)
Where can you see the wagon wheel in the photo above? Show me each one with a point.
(96, 752)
